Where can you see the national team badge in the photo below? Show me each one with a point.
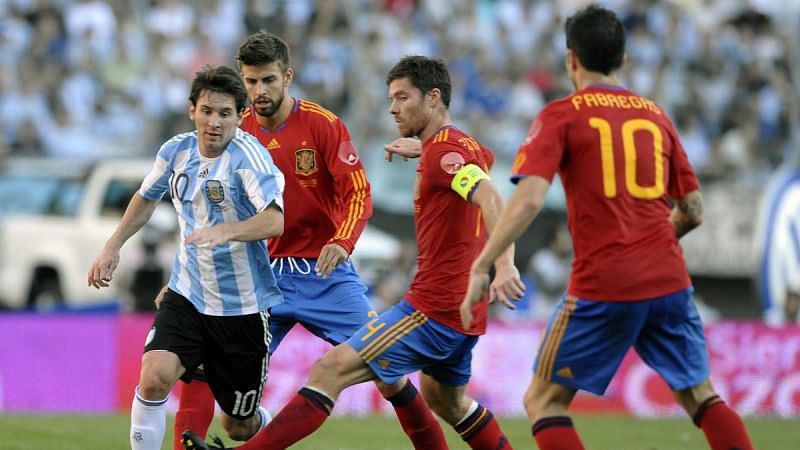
(214, 191)
(305, 161)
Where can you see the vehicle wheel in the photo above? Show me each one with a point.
(45, 293)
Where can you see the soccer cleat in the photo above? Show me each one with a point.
(191, 441)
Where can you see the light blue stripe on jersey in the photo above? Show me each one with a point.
(229, 279)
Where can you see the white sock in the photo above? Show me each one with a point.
(148, 423)
(266, 417)
(472, 408)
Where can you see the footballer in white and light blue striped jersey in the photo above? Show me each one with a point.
(233, 278)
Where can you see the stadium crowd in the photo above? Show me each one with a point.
(97, 79)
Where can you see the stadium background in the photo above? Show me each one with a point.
(89, 80)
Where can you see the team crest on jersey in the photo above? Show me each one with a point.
(214, 191)
(305, 161)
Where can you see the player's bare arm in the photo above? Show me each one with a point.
(136, 216)
(330, 256)
(516, 216)
(687, 213)
(405, 147)
(266, 224)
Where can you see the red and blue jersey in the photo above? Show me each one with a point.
(450, 230)
(620, 161)
(327, 196)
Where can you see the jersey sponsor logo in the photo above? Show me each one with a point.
(273, 144)
(452, 162)
(347, 153)
(305, 161)
(565, 372)
(214, 191)
(203, 173)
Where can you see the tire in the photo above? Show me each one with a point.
(45, 294)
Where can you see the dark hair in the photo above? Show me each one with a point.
(425, 74)
(597, 37)
(263, 48)
(222, 79)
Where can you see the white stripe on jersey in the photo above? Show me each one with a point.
(212, 192)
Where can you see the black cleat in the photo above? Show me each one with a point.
(191, 441)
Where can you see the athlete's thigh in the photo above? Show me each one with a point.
(236, 361)
(178, 328)
(332, 308)
(454, 369)
(395, 343)
(585, 342)
(673, 342)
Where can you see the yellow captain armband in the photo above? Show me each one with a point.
(465, 180)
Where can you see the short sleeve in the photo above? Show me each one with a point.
(542, 150)
(156, 183)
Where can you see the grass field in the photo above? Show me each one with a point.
(598, 433)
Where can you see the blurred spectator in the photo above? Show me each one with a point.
(550, 267)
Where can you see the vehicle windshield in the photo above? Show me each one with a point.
(35, 195)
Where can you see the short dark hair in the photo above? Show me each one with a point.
(221, 79)
(425, 74)
(597, 37)
(263, 48)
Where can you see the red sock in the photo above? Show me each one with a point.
(417, 420)
(723, 428)
(300, 417)
(195, 411)
(556, 433)
(481, 431)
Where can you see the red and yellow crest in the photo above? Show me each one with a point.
(305, 161)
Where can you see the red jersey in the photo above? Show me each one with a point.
(619, 159)
(450, 230)
(327, 196)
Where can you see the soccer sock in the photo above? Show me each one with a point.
(265, 417)
(556, 433)
(148, 423)
(480, 430)
(195, 411)
(417, 420)
(723, 428)
(300, 417)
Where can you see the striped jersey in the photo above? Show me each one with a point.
(327, 194)
(234, 278)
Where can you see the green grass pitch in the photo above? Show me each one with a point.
(75, 432)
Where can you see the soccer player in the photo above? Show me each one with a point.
(329, 204)
(229, 197)
(454, 204)
(620, 160)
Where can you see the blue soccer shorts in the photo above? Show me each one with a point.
(332, 308)
(402, 340)
(586, 341)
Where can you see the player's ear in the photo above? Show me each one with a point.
(434, 96)
(191, 111)
(288, 77)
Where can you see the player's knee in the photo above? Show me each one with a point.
(389, 390)
(690, 399)
(154, 385)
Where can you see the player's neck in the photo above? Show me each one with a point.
(437, 121)
(280, 115)
(585, 79)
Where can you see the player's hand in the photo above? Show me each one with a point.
(160, 296)
(405, 147)
(331, 256)
(102, 271)
(478, 280)
(507, 286)
(208, 237)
